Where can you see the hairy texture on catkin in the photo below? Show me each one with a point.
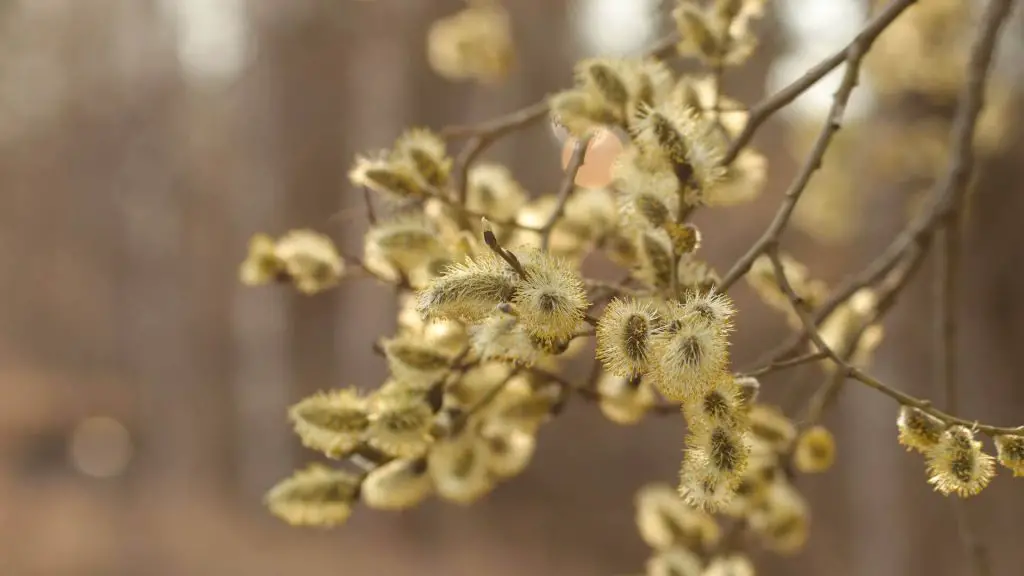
(396, 181)
(396, 485)
(400, 425)
(551, 301)
(957, 464)
(581, 113)
(686, 140)
(690, 354)
(918, 430)
(415, 362)
(1010, 450)
(331, 422)
(401, 246)
(426, 153)
(316, 496)
(624, 335)
(719, 405)
(470, 291)
(459, 468)
(665, 521)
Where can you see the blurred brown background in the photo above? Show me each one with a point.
(132, 172)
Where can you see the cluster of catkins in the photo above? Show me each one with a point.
(492, 293)
(957, 462)
(304, 258)
(691, 541)
(429, 430)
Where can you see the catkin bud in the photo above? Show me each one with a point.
(624, 335)
(426, 152)
(653, 84)
(551, 300)
(666, 521)
(689, 354)
(395, 180)
(493, 191)
(331, 422)
(262, 265)
(624, 400)
(649, 192)
(815, 450)
(783, 520)
(957, 464)
(475, 43)
(1010, 449)
(696, 274)
(316, 496)
(723, 450)
(527, 408)
(400, 424)
(469, 292)
(656, 261)
(502, 337)
(396, 485)
(711, 307)
(688, 141)
(702, 486)
(607, 78)
(415, 362)
(685, 237)
(749, 388)
(772, 427)
(761, 278)
(401, 245)
(581, 113)
(719, 405)
(510, 447)
(728, 9)
(695, 30)
(310, 260)
(459, 468)
(918, 430)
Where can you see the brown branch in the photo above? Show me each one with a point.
(948, 208)
(371, 214)
(861, 43)
(579, 153)
(946, 288)
(492, 242)
(856, 374)
(853, 56)
(776, 364)
(887, 293)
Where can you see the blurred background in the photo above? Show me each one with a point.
(143, 390)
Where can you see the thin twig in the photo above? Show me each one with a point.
(856, 374)
(854, 55)
(886, 295)
(492, 242)
(776, 365)
(579, 153)
(948, 208)
(763, 111)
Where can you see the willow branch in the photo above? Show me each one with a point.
(853, 56)
(850, 372)
(767, 108)
(579, 153)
